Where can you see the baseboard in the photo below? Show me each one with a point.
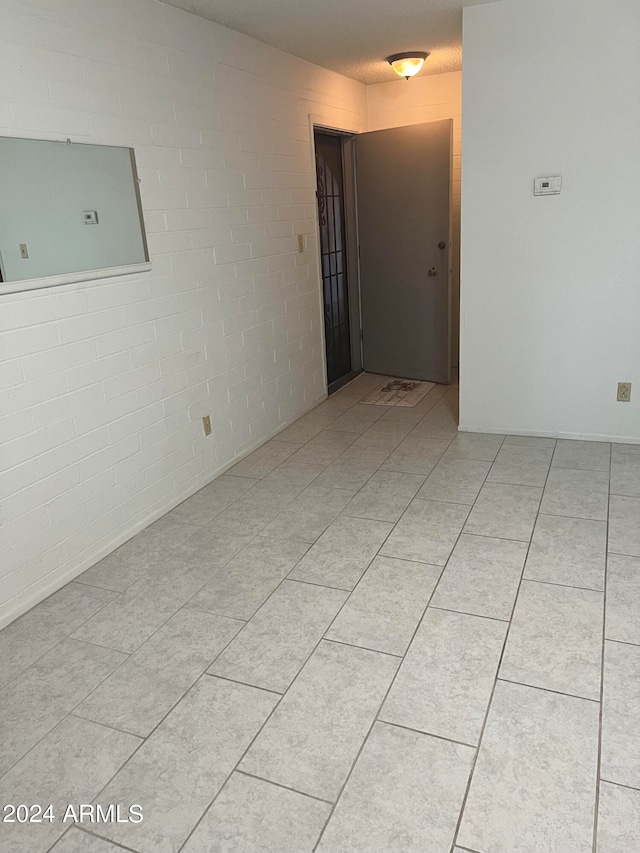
(63, 575)
(577, 436)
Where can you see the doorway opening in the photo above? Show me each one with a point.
(339, 281)
(384, 222)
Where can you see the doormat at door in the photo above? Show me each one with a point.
(398, 392)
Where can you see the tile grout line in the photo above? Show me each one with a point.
(393, 526)
(278, 702)
(365, 739)
(596, 807)
(621, 642)
(620, 785)
(118, 594)
(425, 733)
(582, 468)
(320, 474)
(361, 578)
(496, 678)
(251, 540)
(262, 480)
(63, 639)
(196, 679)
(315, 583)
(563, 585)
(104, 726)
(442, 568)
(546, 689)
(376, 715)
(393, 521)
(111, 778)
(207, 674)
(128, 655)
(619, 554)
(269, 716)
(364, 648)
(573, 517)
(236, 767)
(219, 570)
(460, 534)
(70, 712)
(158, 724)
(477, 748)
(95, 645)
(192, 607)
(427, 607)
(282, 787)
(373, 473)
(466, 612)
(111, 648)
(86, 831)
(493, 536)
(373, 722)
(131, 654)
(547, 514)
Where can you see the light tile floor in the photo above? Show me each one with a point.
(374, 634)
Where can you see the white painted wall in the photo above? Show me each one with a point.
(551, 286)
(44, 189)
(103, 385)
(421, 99)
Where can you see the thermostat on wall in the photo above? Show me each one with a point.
(90, 217)
(547, 186)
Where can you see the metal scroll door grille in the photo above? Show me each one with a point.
(330, 195)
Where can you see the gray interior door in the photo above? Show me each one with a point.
(403, 195)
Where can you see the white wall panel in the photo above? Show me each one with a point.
(104, 385)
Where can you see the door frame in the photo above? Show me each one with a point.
(317, 123)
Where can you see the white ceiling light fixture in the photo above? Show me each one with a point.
(407, 64)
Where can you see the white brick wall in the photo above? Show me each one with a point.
(102, 386)
(423, 99)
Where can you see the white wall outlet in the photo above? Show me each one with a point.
(90, 217)
(624, 392)
(206, 423)
(547, 186)
(24, 252)
(301, 242)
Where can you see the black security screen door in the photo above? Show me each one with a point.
(330, 194)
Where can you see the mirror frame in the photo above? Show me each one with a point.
(85, 275)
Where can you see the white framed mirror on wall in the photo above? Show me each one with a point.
(69, 212)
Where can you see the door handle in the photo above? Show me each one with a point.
(433, 271)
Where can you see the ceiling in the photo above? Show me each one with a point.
(352, 37)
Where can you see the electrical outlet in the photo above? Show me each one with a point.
(301, 242)
(624, 392)
(206, 423)
(24, 252)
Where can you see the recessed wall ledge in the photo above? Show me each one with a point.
(71, 278)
